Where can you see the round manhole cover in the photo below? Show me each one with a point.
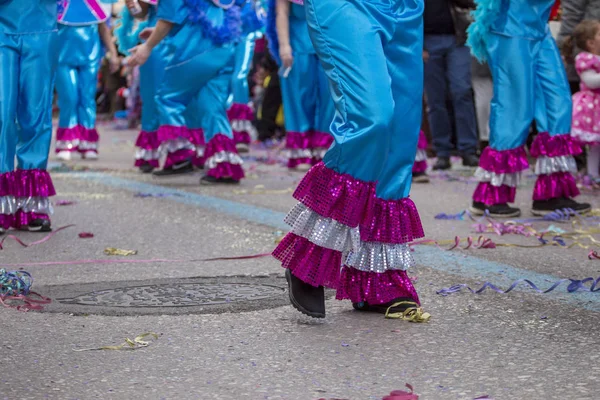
(168, 296)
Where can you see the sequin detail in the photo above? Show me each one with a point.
(508, 179)
(554, 146)
(11, 204)
(222, 157)
(559, 184)
(380, 257)
(489, 195)
(374, 288)
(421, 155)
(548, 165)
(504, 161)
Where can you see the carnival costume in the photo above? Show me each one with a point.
(240, 113)
(354, 220)
(79, 60)
(530, 83)
(420, 166)
(307, 105)
(147, 152)
(28, 59)
(586, 103)
(200, 67)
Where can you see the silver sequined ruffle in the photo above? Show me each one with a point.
(147, 155)
(324, 232)
(511, 180)
(11, 204)
(240, 125)
(380, 257)
(550, 165)
(299, 153)
(421, 155)
(79, 144)
(199, 151)
(171, 146)
(221, 157)
(330, 234)
(319, 153)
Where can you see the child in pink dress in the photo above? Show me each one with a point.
(586, 102)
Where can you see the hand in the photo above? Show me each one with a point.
(114, 63)
(139, 55)
(146, 33)
(425, 56)
(286, 56)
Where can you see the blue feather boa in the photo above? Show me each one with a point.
(229, 31)
(251, 21)
(126, 33)
(485, 15)
(271, 30)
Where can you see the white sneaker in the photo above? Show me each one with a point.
(64, 155)
(90, 155)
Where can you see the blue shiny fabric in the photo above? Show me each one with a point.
(27, 68)
(77, 74)
(151, 76)
(371, 52)
(244, 51)
(530, 83)
(299, 37)
(523, 18)
(85, 12)
(31, 16)
(307, 103)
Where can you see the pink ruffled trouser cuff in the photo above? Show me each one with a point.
(72, 137)
(353, 203)
(147, 141)
(311, 141)
(222, 144)
(24, 183)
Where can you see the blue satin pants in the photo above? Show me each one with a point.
(530, 83)
(244, 51)
(27, 69)
(77, 75)
(205, 78)
(151, 76)
(371, 51)
(307, 103)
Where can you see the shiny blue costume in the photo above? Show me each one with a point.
(151, 75)
(28, 60)
(530, 84)
(201, 63)
(307, 106)
(77, 76)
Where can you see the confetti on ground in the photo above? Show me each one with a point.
(86, 235)
(112, 251)
(136, 343)
(573, 286)
(65, 203)
(144, 195)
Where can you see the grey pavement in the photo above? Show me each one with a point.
(226, 330)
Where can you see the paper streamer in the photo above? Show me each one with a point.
(136, 343)
(113, 251)
(573, 286)
(44, 239)
(15, 286)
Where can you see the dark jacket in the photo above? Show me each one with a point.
(443, 17)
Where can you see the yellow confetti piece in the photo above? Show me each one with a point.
(112, 251)
(129, 344)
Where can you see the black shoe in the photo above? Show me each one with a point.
(420, 177)
(146, 168)
(564, 204)
(39, 225)
(306, 298)
(184, 167)
(383, 308)
(442, 163)
(242, 148)
(211, 180)
(502, 210)
(470, 160)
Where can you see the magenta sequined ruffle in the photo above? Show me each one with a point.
(26, 183)
(488, 194)
(298, 140)
(196, 136)
(504, 161)
(223, 144)
(554, 146)
(242, 137)
(240, 112)
(558, 184)
(374, 288)
(294, 162)
(170, 132)
(321, 140)
(147, 140)
(20, 220)
(69, 134)
(353, 202)
(419, 166)
(313, 264)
